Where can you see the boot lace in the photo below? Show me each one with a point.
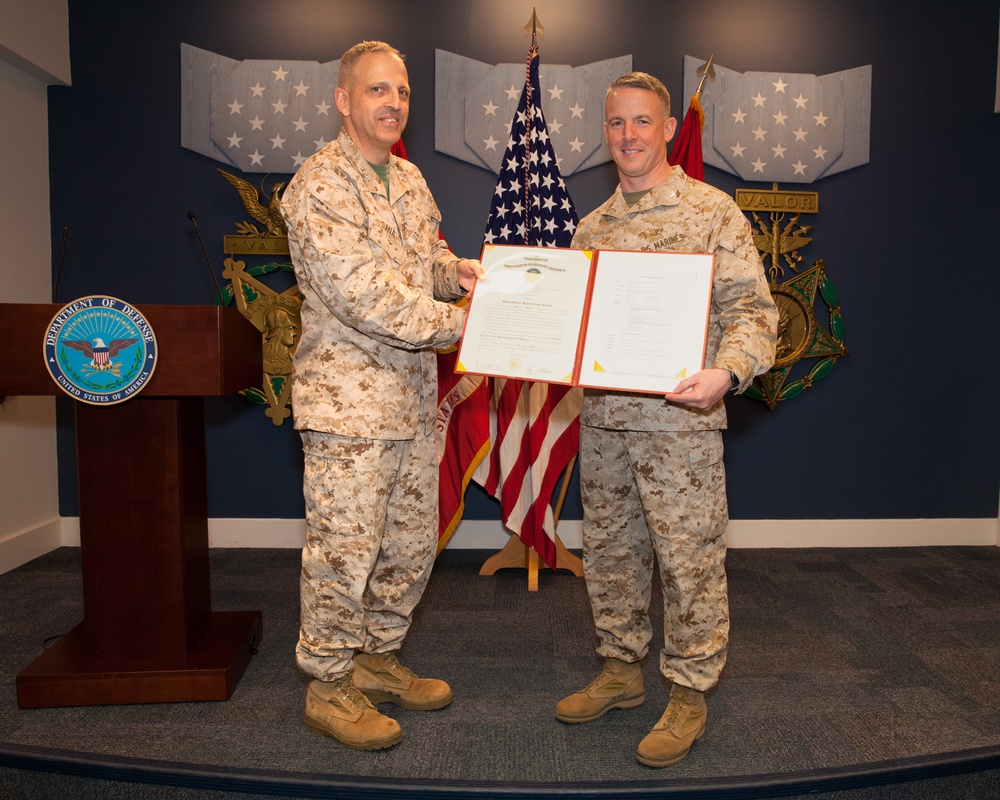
(392, 664)
(351, 693)
(679, 701)
(606, 680)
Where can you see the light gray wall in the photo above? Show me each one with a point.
(34, 37)
(34, 51)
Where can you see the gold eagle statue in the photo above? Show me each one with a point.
(267, 213)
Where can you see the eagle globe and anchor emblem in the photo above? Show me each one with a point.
(100, 350)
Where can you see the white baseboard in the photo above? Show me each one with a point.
(21, 547)
(490, 534)
(863, 533)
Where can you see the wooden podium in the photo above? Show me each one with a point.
(149, 634)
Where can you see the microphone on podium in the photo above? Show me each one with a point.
(208, 261)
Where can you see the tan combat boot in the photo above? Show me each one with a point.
(338, 710)
(384, 680)
(618, 686)
(681, 725)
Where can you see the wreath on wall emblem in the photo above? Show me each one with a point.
(800, 335)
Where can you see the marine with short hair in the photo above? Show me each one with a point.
(651, 471)
(376, 281)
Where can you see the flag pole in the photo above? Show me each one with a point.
(534, 27)
(706, 70)
(518, 552)
(686, 150)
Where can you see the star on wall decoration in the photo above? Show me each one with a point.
(474, 103)
(821, 122)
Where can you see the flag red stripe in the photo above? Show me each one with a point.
(560, 452)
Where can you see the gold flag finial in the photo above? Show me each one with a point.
(706, 70)
(534, 28)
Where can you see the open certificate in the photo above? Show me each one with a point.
(647, 326)
(524, 318)
(608, 319)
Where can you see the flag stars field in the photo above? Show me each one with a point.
(498, 117)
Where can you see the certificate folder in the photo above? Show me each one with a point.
(607, 319)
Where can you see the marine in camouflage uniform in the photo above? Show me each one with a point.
(652, 476)
(644, 458)
(374, 275)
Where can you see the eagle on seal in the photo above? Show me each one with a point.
(100, 354)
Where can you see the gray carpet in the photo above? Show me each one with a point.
(842, 661)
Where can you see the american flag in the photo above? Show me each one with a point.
(534, 427)
(530, 205)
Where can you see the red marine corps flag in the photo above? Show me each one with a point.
(686, 152)
(534, 427)
(463, 438)
(463, 430)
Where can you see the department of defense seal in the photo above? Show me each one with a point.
(100, 350)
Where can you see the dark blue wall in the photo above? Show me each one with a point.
(907, 239)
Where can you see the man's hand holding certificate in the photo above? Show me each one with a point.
(606, 319)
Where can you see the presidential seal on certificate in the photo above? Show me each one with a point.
(608, 319)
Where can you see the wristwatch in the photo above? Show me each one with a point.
(734, 381)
